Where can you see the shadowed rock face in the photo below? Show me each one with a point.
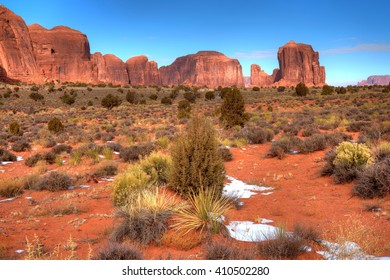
(143, 72)
(17, 60)
(376, 80)
(259, 78)
(61, 53)
(109, 69)
(208, 68)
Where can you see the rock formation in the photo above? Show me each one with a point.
(17, 60)
(375, 80)
(299, 63)
(259, 78)
(61, 53)
(142, 72)
(208, 68)
(109, 69)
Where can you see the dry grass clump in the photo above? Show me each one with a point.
(10, 187)
(118, 251)
(225, 250)
(54, 181)
(106, 169)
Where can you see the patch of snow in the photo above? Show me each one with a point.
(243, 149)
(267, 193)
(106, 179)
(8, 199)
(116, 153)
(239, 189)
(19, 158)
(266, 221)
(28, 197)
(347, 251)
(101, 156)
(294, 152)
(78, 187)
(384, 258)
(19, 251)
(6, 162)
(250, 232)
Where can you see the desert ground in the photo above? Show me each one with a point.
(59, 195)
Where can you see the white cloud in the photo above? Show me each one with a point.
(256, 54)
(358, 48)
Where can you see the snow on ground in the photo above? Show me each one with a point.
(239, 189)
(250, 232)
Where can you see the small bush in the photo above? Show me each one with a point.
(10, 187)
(110, 101)
(225, 153)
(54, 181)
(135, 152)
(153, 96)
(158, 166)
(184, 109)
(6, 155)
(190, 96)
(68, 99)
(127, 183)
(374, 181)
(36, 96)
(224, 250)
(209, 95)
(21, 146)
(62, 148)
(15, 129)
(55, 125)
(106, 169)
(301, 89)
(233, 109)
(118, 251)
(316, 142)
(132, 97)
(256, 135)
(382, 151)
(166, 100)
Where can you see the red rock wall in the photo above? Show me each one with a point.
(109, 69)
(142, 72)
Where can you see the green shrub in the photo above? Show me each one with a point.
(232, 109)
(128, 183)
(158, 166)
(68, 99)
(209, 95)
(166, 100)
(132, 97)
(184, 109)
(110, 101)
(301, 89)
(196, 163)
(327, 90)
(256, 89)
(382, 150)
(153, 96)
(55, 125)
(190, 96)
(15, 129)
(36, 96)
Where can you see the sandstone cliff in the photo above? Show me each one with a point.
(208, 68)
(17, 60)
(259, 78)
(375, 80)
(109, 69)
(142, 72)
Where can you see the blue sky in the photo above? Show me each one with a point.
(352, 37)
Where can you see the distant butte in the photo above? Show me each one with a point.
(375, 80)
(36, 54)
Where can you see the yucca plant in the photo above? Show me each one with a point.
(205, 213)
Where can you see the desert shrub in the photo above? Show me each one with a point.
(306, 232)
(256, 135)
(153, 96)
(232, 109)
(158, 166)
(55, 125)
(316, 142)
(327, 90)
(118, 251)
(184, 109)
(6, 155)
(10, 187)
(281, 88)
(15, 129)
(166, 100)
(29, 181)
(132, 97)
(337, 137)
(33, 160)
(106, 169)
(116, 147)
(209, 95)
(329, 166)
(204, 214)
(374, 180)
(256, 89)
(196, 163)
(54, 181)
(110, 101)
(382, 151)
(310, 130)
(134, 152)
(283, 145)
(301, 89)
(21, 146)
(145, 219)
(225, 153)
(62, 148)
(190, 96)
(281, 245)
(36, 96)
(127, 183)
(68, 99)
(224, 250)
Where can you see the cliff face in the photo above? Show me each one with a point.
(208, 68)
(142, 72)
(108, 69)
(259, 78)
(17, 60)
(375, 80)
(61, 53)
(299, 63)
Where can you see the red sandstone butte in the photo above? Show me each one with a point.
(259, 78)
(375, 80)
(109, 69)
(61, 53)
(17, 60)
(208, 68)
(142, 72)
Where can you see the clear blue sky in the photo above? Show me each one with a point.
(353, 37)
